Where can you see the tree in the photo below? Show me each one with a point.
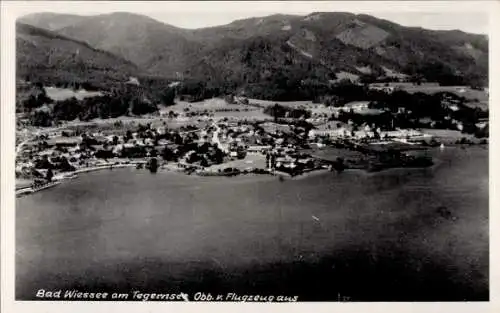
(204, 162)
(104, 154)
(43, 163)
(49, 175)
(153, 165)
(168, 154)
(65, 166)
(41, 118)
(229, 99)
(168, 97)
(128, 135)
(275, 112)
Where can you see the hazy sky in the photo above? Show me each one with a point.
(469, 16)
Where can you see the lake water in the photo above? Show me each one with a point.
(367, 237)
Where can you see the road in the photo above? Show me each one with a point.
(216, 140)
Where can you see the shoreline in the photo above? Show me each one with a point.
(103, 167)
(65, 176)
(172, 167)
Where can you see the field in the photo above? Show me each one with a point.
(132, 123)
(249, 115)
(332, 154)
(209, 105)
(250, 160)
(273, 127)
(59, 94)
(448, 136)
(290, 104)
(330, 125)
(315, 108)
(218, 107)
(462, 91)
(23, 183)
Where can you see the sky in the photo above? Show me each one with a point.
(468, 16)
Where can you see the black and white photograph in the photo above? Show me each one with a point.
(281, 152)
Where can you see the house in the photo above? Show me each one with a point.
(356, 106)
(133, 81)
(482, 125)
(318, 145)
(405, 135)
(163, 142)
(285, 161)
(332, 133)
(259, 148)
(363, 134)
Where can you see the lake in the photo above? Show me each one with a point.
(397, 235)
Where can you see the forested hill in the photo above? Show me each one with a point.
(46, 56)
(283, 50)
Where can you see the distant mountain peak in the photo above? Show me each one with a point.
(320, 44)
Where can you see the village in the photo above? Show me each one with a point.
(208, 144)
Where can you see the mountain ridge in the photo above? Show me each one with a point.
(340, 41)
(48, 56)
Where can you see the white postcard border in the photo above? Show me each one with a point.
(12, 9)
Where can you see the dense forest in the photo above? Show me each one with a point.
(131, 101)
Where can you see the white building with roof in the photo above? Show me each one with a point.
(355, 106)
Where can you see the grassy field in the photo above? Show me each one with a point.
(131, 123)
(23, 183)
(331, 154)
(466, 92)
(291, 104)
(319, 109)
(330, 125)
(250, 160)
(483, 105)
(447, 136)
(271, 127)
(209, 104)
(214, 104)
(315, 108)
(250, 115)
(218, 107)
(59, 94)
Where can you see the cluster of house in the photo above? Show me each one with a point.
(349, 131)
(287, 159)
(235, 139)
(394, 86)
(84, 150)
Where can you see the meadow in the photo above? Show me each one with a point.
(59, 94)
